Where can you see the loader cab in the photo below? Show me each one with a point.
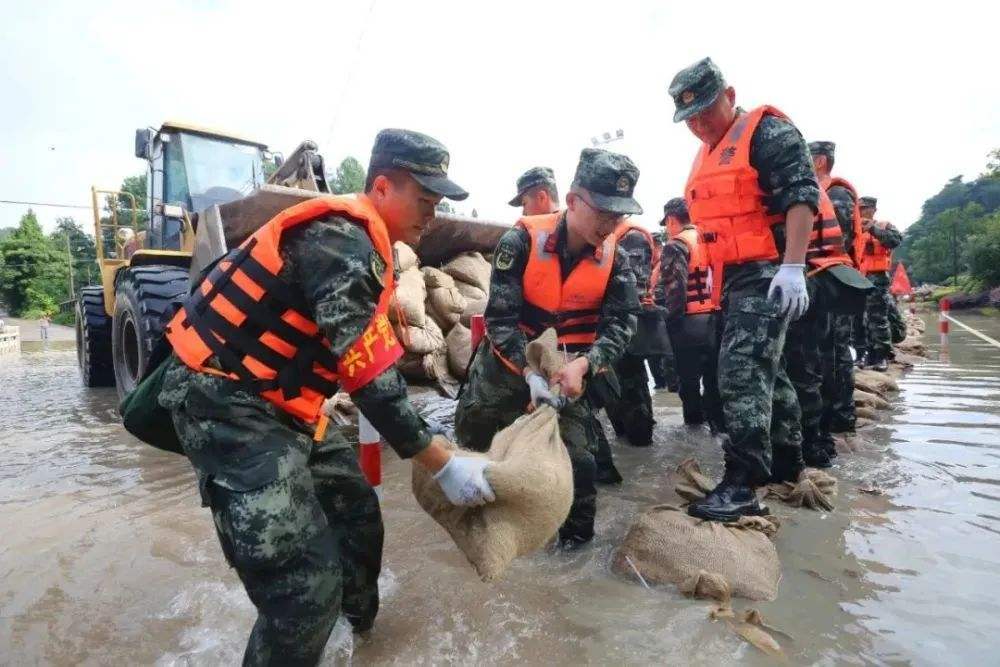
(192, 168)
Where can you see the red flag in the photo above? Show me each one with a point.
(900, 282)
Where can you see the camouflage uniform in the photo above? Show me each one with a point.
(879, 337)
(494, 396)
(296, 518)
(662, 367)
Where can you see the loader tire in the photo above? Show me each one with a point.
(145, 296)
(93, 338)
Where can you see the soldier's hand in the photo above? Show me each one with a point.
(463, 481)
(570, 377)
(788, 288)
(540, 391)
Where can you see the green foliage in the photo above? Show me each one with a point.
(993, 166)
(983, 255)
(34, 275)
(122, 207)
(81, 245)
(349, 178)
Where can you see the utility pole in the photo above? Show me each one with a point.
(69, 251)
(954, 250)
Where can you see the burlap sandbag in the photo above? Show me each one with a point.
(444, 302)
(410, 296)
(406, 259)
(867, 399)
(913, 345)
(470, 292)
(436, 278)
(472, 308)
(874, 382)
(470, 268)
(532, 478)
(459, 342)
(423, 367)
(421, 339)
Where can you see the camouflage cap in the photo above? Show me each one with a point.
(868, 202)
(531, 179)
(695, 88)
(677, 208)
(610, 180)
(827, 148)
(424, 157)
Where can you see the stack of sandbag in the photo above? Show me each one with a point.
(471, 273)
(704, 559)
(445, 305)
(532, 479)
(426, 355)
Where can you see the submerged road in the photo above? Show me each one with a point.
(106, 556)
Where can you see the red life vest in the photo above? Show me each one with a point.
(572, 306)
(875, 257)
(257, 327)
(826, 239)
(725, 200)
(857, 245)
(702, 295)
(646, 296)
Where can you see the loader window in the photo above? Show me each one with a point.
(218, 171)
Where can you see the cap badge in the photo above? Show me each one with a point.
(623, 184)
(687, 97)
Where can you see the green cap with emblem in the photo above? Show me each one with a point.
(424, 157)
(610, 179)
(868, 202)
(532, 179)
(695, 88)
(827, 148)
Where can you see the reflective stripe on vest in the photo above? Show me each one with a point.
(857, 243)
(573, 306)
(704, 284)
(725, 200)
(646, 291)
(245, 323)
(826, 239)
(875, 257)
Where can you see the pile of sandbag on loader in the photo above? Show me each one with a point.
(433, 312)
(531, 477)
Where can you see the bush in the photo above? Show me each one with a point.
(984, 255)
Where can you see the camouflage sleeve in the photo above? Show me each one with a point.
(503, 310)
(640, 258)
(785, 170)
(618, 316)
(333, 262)
(673, 277)
(843, 204)
(887, 234)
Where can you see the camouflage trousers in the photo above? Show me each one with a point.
(698, 372)
(878, 341)
(664, 371)
(632, 414)
(807, 344)
(838, 376)
(295, 518)
(761, 410)
(897, 323)
(493, 397)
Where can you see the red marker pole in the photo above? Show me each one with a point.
(370, 453)
(943, 322)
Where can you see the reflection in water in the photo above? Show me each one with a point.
(108, 558)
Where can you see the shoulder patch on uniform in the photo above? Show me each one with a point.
(378, 267)
(504, 258)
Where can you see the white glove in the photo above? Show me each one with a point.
(463, 481)
(540, 392)
(788, 288)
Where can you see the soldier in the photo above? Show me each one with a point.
(879, 238)
(835, 348)
(662, 367)
(835, 287)
(753, 192)
(536, 192)
(694, 331)
(560, 270)
(297, 310)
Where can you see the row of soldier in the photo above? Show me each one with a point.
(766, 279)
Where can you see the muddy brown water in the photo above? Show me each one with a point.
(107, 558)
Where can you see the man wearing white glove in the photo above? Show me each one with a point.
(753, 194)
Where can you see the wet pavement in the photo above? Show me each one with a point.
(107, 557)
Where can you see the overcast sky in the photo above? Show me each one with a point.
(910, 93)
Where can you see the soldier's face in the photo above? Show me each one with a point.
(711, 124)
(536, 202)
(867, 214)
(820, 164)
(406, 207)
(591, 223)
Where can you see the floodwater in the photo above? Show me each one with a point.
(106, 556)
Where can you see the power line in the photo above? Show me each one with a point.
(41, 203)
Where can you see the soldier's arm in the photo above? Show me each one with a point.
(784, 167)
(886, 233)
(503, 310)
(334, 263)
(640, 258)
(843, 204)
(618, 316)
(673, 277)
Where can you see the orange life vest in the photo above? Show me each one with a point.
(258, 329)
(573, 305)
(702, 295)
(875, 257)
(646, 296)
(826, 239)
(857, 245)
(725, 199)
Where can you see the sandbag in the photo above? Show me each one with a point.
(421, 339)
(406, 259)
(470, 292)
(913, 345)
(410, 296)
(472, 308)
(470, 268)
(874, 401)
(815, 490)
(436, 278)
(445, 305)
(865, 412)
(874, 382)
(459, 342)
(532, 478)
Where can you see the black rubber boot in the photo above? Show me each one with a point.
(861, 360)
(815, 455)
(731, 499)
(878, 363)
(608, 474)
